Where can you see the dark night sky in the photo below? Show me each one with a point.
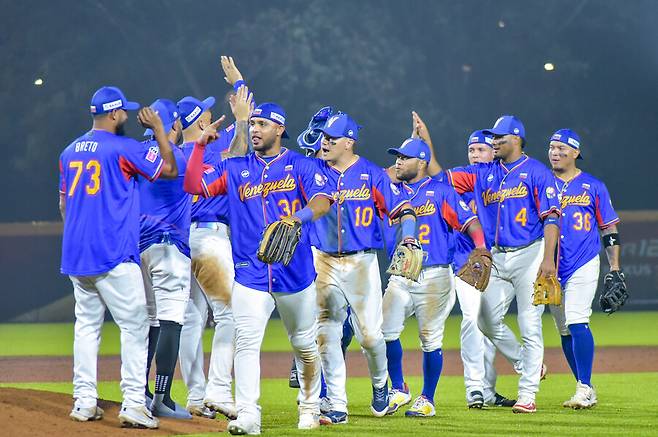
(459, 64)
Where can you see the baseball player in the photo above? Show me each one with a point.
(212, 264)
(346, 262)
(263, 187)
(439, 211)
(165, 256)
(100, 208)
(585, 204)
(517, 205)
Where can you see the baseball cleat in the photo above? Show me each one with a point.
(200, 410)
(333, 418)
(308, 421)
(159, 409)
(501, 401)
(325, 405)
(238, 427)
(422, 407)
(397, 398)
(86, 414)
(225, 408)
(475, 400)
(524, 405)
(379, 405)
(137, 417)
(544, 372)
(293, 379)
(585, 397)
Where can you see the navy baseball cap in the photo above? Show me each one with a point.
(412, 148)
(507, 125)
(191, 109)
(311, 137)
(568, 137)
(273, 112)
(168, 113)
(109, 98)
(341, 125)
(481, 137)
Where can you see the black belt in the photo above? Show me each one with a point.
(507, 249)
(348, 253)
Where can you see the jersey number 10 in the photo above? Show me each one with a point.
(92, 167)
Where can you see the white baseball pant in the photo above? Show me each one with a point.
(166, 274)
(349, 280)
(431, 299)
(121, 290)
(577, 299)
(212, 266)
(513, 276)
(251, 311)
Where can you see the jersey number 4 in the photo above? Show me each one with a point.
(93, 167)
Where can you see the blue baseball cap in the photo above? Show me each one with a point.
(109, 98)
(273, 112)
(568, 137)
(341, 125)
(168, 113)
(480, 137)
(311, 137)
(191, 109)
(413, 148)
(507, 125)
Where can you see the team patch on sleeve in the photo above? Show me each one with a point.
(152, 154)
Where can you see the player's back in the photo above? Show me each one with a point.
(101, 225)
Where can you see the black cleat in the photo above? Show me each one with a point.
(502, 401)
(293, 379)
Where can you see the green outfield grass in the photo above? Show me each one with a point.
(626, 406)
(620, 329)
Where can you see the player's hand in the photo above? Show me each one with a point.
(547, 268)
(231, 72)
(419, 129)
(149, 119)
(210, 134)
(241, 104)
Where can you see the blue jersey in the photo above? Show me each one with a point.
(439, 212)
(165, 208)
(464, 244)
(362, 192)
(586, 206)
(512, 200)
(214, 209)
(261, 191)
(97, 179)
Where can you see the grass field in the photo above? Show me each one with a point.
(622, 409)
(620, 329)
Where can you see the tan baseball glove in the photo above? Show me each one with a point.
(279, 241)
(407, 260)
(477, 269)
(547, 291)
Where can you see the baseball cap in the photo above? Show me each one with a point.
(507, 125)
(341, 125)
(568, 137)
(109, 98)
(412, 148)
(479, 136)
(191, 108)
(168, 113)
(311, 137)
(273, 112)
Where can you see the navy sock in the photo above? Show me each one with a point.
(323, 386)
(166, 356)
(583, 351)
(432, 366)
(567, 348)
(154, 333)
(348, 334)
(394, 357)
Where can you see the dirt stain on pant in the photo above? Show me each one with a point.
(212, 277)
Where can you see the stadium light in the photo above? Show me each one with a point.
(549, 66)
(38, 82)
(501, 23)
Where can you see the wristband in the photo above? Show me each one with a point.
(611, 240)
(238, 84)
(305, 215)
(551, 221)
(408, 228)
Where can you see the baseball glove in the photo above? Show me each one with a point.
(547, 291)
(407, 260)
(477, 269)
(614, 296)
(279, 241)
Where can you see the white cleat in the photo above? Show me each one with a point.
(308, 421)
(226, 408)
(325, 405)
(238, 427)
(137, 417)
(585, 397)
(86, 414)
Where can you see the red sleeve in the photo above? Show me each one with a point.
(216, 188)
(380, 202)
(450, 215)
(461, 181)
(193, 182)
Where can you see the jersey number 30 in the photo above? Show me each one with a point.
(93, 167)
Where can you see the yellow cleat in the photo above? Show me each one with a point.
(422, 407)
(398, 398)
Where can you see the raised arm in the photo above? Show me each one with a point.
(149, 119)
(241, 106)
(419, 130)
(194, 172)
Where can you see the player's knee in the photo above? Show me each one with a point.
(303, 343)
(429, 342)
(370, 340)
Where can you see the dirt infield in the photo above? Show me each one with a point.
(32, 412)
(277, 364)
